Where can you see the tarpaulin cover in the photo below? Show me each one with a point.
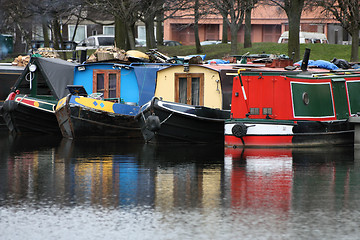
(57, 73)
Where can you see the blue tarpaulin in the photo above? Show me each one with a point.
(217, 61)
(320, 64)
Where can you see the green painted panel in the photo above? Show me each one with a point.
(312, 100)
(354, 96)
(340, 99)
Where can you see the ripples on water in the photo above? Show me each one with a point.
(61, 189)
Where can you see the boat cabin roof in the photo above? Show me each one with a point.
(52, 75)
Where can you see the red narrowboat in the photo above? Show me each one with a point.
(293, 108)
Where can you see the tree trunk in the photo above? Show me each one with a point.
(160, 28)
(196, 27)
(120, 33)
(58, 40)
(294, 44)
(131, 36)
(45, 33)
(225, 31)
(247, 34)
(56, 31)
(294, 15)
(355, 46)
(150, 36)
(18, 47)
(234, 30)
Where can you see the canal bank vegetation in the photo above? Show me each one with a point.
(318, 51)
(219, 51)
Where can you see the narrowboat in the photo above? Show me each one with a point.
(30, 106)
(293, 108)
(117, 93)
(187, 107)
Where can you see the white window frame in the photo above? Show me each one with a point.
(109, 26)
(70, 32)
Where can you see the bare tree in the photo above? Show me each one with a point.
(196, 27)
(232, 12)
(192, 8)
(250, 4)
(125, 14)
(53, 15)
(17, 18)
(225, 31)
(157, 11)
(148, 11)
(159, 26)
(293, 10)
(347, 13)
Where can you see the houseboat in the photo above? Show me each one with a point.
(30, 106)
(187, 106)
(293, 108)
(117, 93)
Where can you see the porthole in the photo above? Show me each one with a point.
(305, 98)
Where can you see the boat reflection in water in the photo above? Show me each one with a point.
(290, 178)
(260, 178)
(222, 193)
(113, 173)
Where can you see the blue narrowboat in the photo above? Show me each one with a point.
(117, 92)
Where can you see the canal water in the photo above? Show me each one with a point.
(53, 188)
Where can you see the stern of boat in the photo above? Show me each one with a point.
(62, 113)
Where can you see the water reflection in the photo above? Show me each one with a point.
(292, 179)
(260, 178)
(111, 173)
(115, 173)
(211, 187)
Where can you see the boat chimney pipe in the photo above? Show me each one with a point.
(305, 60)
(83, 56)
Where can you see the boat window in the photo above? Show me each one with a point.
(182, 90)
(254, 111)
(112, 85)
(100, 82)
(305, 98)
(189, 88)
(195, 90)
(107, 82)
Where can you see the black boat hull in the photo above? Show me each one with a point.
(23, 119)
(176, 126)
(79, 122)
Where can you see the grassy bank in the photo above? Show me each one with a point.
(318, 51)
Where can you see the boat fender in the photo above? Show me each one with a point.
(239, 130)
(153, 123)
(12, 95)
(152, 104)
(9, 106)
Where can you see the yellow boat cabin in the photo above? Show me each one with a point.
(190, 84)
